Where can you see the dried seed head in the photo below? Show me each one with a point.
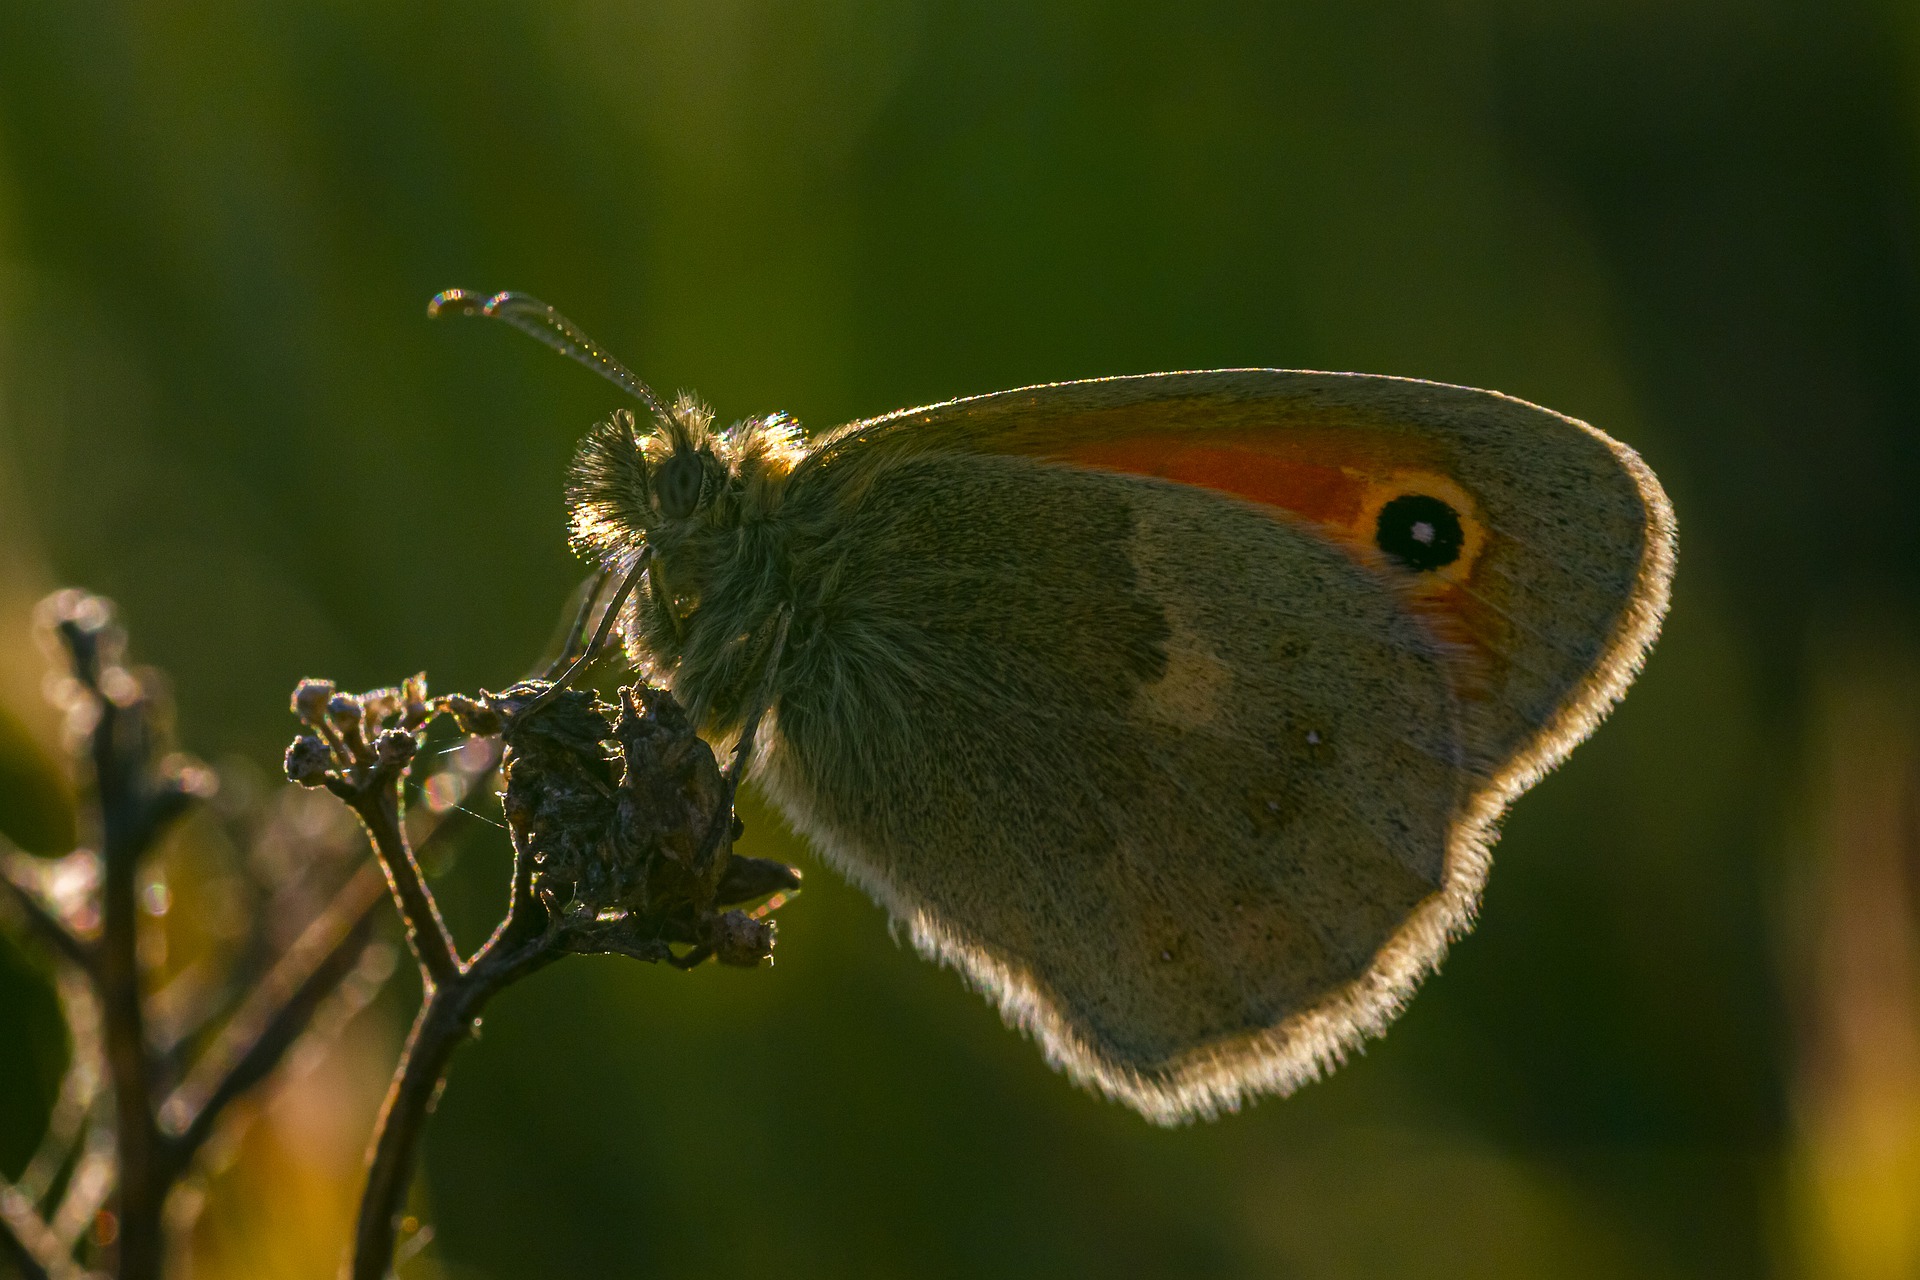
(738, 939)
(308, 760)
(394, 748)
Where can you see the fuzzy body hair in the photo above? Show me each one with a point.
(1196, 788)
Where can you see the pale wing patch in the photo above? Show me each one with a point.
(1189, 695)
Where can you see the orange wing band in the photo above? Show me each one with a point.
(1336, 483)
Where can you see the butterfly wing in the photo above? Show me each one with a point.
(1195, 785)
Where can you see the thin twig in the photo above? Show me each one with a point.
(79, 1089)
(65, 1124)
(275, 1014)
(128, 1161)
(558, 804)
(378, 808)
(33, 1247)
(45, 925)
(16, 1253)
(89, 1187)
(143, 1179)
(186, 1004)
(444, 1022)
(25, 1240)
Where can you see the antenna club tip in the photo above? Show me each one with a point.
(459, 302)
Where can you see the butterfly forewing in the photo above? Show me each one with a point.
(1554, 594)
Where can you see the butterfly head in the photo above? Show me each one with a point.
(666, 485)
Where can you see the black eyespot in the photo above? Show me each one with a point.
(677, 485)
(1421, 532)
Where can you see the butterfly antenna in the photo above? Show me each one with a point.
(538, 320)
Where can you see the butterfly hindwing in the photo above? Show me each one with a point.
(1174, 781)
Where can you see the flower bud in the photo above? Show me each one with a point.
(344, 710)
(310, 699)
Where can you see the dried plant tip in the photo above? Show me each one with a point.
(738, 939)
(189, 776)
(348, 716)
(78, 627)
(310, 699)
(120, 686)
(394, 748)
(415, 710)
(377, 706)
(308, 760)
(471, 717)
(71, 607)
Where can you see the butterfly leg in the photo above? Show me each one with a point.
(743, 749)
(725, 824)
(572, 645)
(660, 601)
(697, 956)
(607, 622)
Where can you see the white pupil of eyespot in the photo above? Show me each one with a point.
(1423, 532)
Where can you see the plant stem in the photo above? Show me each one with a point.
(557, 802)
(442, 1023)
(445, 1020)
(379, 810)
(129, 826)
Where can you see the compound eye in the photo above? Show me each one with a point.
(1420, 532)
(677, 485)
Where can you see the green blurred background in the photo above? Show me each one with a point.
(1685, 1039)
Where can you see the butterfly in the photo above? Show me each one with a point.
(1176, 712)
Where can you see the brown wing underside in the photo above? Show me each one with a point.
(1175, 782)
